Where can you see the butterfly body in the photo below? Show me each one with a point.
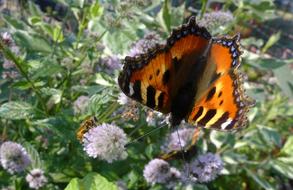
(193, 77)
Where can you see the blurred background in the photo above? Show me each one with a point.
(59, 63)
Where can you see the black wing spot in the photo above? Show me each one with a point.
(161, 100)
(208, 116)
(166, 77)
(198, 114)
(151, 92)
(137, 91)
(220, 94)
(221, 120)
(158, 72)
(211, 94)
(151, 77)
(221, 102)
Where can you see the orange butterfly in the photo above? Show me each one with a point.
(194, 77)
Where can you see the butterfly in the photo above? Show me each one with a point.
(194, 77)
(85, 126)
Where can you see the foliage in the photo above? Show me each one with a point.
(65, 56)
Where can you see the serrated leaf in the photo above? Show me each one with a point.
(32, 42)
(34, 155)
(92, 181)
(16, 110)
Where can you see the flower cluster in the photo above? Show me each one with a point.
(159, 171)
(147, 42)
(80, 104)
(106, 141)
(205, 168)
(36, 178)
(13, 157)
(178, 139)
(9, 68)
(215, 20)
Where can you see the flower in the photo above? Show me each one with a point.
(215, 20)
(159, 171)
(6, 38)
(106, 141)
(80, 104)
(122, 99)
(112, 62)
(181, 136)
(205, 168)
(141, 46)
(36, 178)
(153, 117)
(14, 158)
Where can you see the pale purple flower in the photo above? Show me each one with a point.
(205, 168)
(112, 62)
(159, 171)
(80, 104)
(213, 20)
(36, 178)
(106, 142)
(149, 41)
(122, 99)
(14, 158)
(6, 38)
(175, 142)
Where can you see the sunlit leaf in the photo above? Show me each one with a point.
(16, 110)
(91, 181)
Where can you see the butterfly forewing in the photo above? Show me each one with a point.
(154, 78)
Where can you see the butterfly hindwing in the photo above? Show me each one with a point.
(223, 106)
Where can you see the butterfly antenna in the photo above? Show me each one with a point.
(151, 131)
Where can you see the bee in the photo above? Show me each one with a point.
(85, 126)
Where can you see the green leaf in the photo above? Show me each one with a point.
(270, 136)
(16, 110)
(284, 166)
(15, 23)
(288, 147)
(285, 79)
(32, 42)
(34, 155)
(96, 10)
(271, 41)
(46, 68)
(164, 16)
(260, 181)
(91, 181)
(103, 80)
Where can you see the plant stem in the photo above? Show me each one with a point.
(11, 56)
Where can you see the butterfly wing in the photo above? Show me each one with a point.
(153, 78)
(223, 105)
